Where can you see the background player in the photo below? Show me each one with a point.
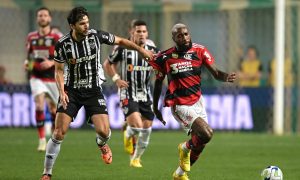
(182, 66)
(134, 91)
(40, 64)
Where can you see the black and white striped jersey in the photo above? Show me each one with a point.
(135, 71)
(82, 60)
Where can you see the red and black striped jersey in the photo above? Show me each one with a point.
(183, 70)
(38, 48)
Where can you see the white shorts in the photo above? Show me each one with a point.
(187, 114)
(38, 87)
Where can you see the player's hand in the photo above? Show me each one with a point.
(231, 77)
(121, 83)
(26, 65)
(148, 55)
(159, 116)
(46, 64)
(64, 100)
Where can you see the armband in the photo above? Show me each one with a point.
(115, 77)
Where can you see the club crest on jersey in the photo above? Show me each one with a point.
(188, 56)
(92, 43)
(48, 42)
(174, 55)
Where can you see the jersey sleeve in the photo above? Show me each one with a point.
(207, 57)
(105, 37)
(58, 53)
(158, 65)
(116, 55)
(28, 46)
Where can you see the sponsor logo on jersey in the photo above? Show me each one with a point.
(181, 67)
(101, 102)
(174, 55)
(131, 67)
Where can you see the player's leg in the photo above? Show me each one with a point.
(142, 143)
(101, 124)
(52, 109)
(52, 97)
(144, 136)
(134, 124)
(62, 123)
(134, 128)
(39, 100)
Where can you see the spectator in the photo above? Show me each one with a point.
(250, 69)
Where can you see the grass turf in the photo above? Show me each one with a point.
(229, 156)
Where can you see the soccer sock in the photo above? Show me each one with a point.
(52, 151)
(143, 141)
(179, 171)
(131, 131)
(40, 121)
(101, 141)
(197, 147)
(185, 147)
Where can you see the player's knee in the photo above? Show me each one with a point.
(59, 134)
(206, 134)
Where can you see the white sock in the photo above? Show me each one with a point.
(52, 151)
(143, 141)
(184, 147)
(101, 141)
(131, 131)
(179, 171)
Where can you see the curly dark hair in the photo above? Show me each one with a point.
(77, 14)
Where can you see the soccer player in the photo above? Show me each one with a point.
(182, 65)
(79, 75)
(134, 91)
(40, 53)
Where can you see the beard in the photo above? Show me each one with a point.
(184, 47)
(44, 24)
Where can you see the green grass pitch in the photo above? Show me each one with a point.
(229, 156)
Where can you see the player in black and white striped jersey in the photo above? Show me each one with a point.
(79, 75)
(134, 91)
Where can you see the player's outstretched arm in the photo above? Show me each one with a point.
(156, 95)
(131, 45)
(220, 75)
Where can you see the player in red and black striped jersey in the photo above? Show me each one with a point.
(40, 53)
(182, 65)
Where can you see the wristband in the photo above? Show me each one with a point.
(115, 77)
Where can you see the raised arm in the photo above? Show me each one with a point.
(131, 45)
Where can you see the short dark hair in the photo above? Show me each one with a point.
(41, 9)
(137, 22)
(76, 14)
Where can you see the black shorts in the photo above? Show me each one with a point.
(129, 106)
(92, 100)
